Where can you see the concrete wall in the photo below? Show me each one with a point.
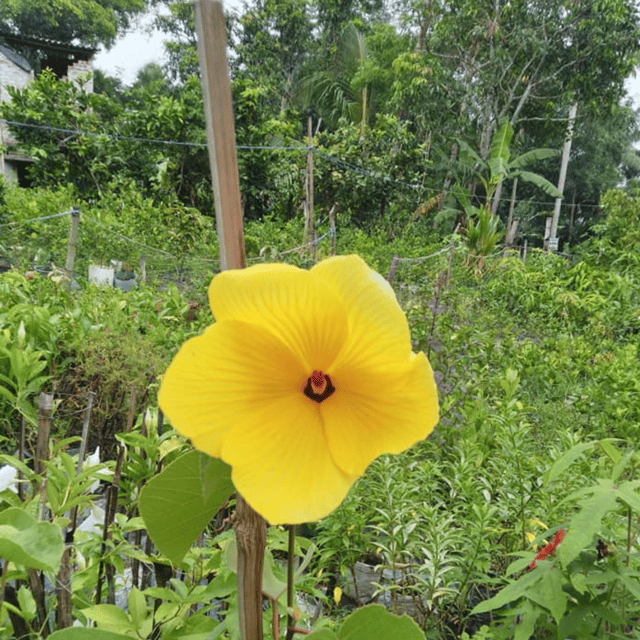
(78, 72)
(10, 75)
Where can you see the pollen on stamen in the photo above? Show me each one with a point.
(317, 379)
(319, 387)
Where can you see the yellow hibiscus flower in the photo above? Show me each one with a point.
(305, 378)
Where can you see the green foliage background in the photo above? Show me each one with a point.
(537, 368)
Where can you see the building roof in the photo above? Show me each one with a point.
(80, 52)
(16, 58)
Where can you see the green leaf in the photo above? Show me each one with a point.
(627, 493)
(498, 168)
(138, 609)
(322, 634)
(539, 181)
(374, 622)
(82, 633)
(566, 460)
(511, 592)
(586, 523)
(631, 582)
(501, 142)
(177, 504)
(610, 450)
(109, 617)
(216, 479)
(548, 592)
(529, 615)
(25, 541)
(534, 155)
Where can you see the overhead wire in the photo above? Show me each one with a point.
(338, 162)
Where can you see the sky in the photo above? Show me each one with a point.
(137, 49)
(132, 52)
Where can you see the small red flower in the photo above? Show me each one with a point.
(549, 548)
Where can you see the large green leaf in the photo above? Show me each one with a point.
(513, 591)
(322, 634)
(548, 592)
(177, 504)
(83, 633)
(534, 155)
(539, 181)
(587, 522)
(25, 541)
(374, 622)
(566, 460)
(501, 142)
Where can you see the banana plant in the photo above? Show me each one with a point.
(482, 224)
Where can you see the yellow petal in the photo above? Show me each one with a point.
(378, 331)
(281, 463)
(228, 374)
(374, 412)
(302, 311)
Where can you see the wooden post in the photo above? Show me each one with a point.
(110, 510)
(309, 199)
(221, 139)
(332, 227)
(512, 205)
(251, 528)
(450, 261)
(73, 518)
(393, 267)
(71, 245)
(64, 616)
(23, 431)
(45, 405)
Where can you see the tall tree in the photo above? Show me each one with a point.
(514, 58)
(91, 22)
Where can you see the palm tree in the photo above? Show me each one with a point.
(338, 92)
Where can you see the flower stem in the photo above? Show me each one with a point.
(251, 536)
(290, 558)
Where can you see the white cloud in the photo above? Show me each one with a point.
(139, 47)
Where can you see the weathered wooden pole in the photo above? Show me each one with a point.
(251, 528)
(310, 205)
(71, 245)
(221, 138)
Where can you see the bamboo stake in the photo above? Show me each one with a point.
(211, 31)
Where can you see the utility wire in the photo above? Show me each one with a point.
(115, 136)
(342, 164)
(55, 215)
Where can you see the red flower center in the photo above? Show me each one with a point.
(319, 387)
